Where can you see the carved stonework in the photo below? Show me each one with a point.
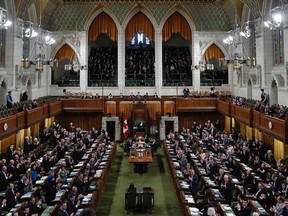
(259, 75)
(273, 83)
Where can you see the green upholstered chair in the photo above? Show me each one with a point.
(130, 202)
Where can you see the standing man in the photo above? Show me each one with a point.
(264, 97)
(9, 100)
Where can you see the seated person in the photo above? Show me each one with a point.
(212, 92)
(186, 92)
(132, 95)
(97, 96)
(131, 188)
(140, 127)
(282, 112)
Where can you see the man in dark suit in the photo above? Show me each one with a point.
(4, 178)
(193, 182)
(62, 210)
(71, 206)
(227, 189)
(11, 196)
(284, 211)
(243, 209)
(35, 208)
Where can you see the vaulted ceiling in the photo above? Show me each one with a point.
(73, 14)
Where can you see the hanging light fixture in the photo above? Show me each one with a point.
(40, 35)
(4, 21)
(236, 63)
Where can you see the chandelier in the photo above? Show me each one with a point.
(4, 21)
(42, 36)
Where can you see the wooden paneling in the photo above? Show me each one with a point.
(241, 114)
(169, 107)
(195, 104)
(83, 105)
(20, 120)
(154, 108)
(223, 107)
(186, 119)
(34, 116)
(46, 110)
(278, 127)
(83, 120)
(11, 125)
(255, 118)
(126, 108)
(110, 107)
(7, 142)
(55, 108)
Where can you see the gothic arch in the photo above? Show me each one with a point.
(184, 13)
(221, 47)
(96, 11)
(139, 8)
(60, 45)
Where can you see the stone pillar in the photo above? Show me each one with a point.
(158, 61)
(121, 59)
(83, 61)
(264, 52)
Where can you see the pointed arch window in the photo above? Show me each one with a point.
(278, 46)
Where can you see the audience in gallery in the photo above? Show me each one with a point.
(140, 64)
(178, 63)
(22, 169)
(102, 63)
(231, 163)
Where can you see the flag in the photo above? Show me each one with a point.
(125, 127)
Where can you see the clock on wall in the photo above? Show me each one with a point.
(5, 126)
(270, 125)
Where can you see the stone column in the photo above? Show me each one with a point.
(121, 59)
(158, 61)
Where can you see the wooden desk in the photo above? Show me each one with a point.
(141, 160)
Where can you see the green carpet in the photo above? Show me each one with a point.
(121, 175)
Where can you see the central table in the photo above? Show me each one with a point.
(140, 157)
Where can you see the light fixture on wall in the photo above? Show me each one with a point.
(246, 32)
(40, 36)
(275, 19)
(4, 21)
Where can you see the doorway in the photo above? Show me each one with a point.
(111, 129)
(169, 126)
